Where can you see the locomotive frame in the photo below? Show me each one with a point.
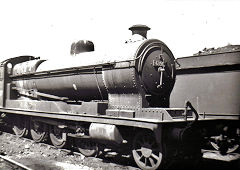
(60, 115)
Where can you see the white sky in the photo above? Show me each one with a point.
(48, 27)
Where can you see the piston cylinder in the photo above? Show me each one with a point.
(105, 132)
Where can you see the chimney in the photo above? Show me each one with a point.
(140, 29)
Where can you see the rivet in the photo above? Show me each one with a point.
(74, 87)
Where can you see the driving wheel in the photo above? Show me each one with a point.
(39, 131)
(20, 126)
(146, 152)
(57, 136)
(87, 147)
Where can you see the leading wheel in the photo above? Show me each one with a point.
(57, 136)
(146, 152)
(39, 131)
(21, 126)
(87, 147)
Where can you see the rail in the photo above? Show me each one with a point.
(19, 165)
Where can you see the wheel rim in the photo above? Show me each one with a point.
(38, 131)
(87, 147)
(146, 151)
(56, 137)
(233, 147)
(20, 127)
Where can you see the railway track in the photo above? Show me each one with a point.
(68, 151)
(49, 157)
(8, 163)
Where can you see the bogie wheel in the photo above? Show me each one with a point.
(146, 152)
(226, 146)
(87, 147)
(39, 131)
(227, 141)
(57, 136)
(21, 126)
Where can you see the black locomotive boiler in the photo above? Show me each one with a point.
(116, 100)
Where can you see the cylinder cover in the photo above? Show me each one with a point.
(105, 132)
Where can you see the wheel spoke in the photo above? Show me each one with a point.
(145, 152)
(154, 156)
(151, 162)
(140, 157)
(138, 150)
(145, 161)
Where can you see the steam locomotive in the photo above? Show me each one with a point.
(139, 99)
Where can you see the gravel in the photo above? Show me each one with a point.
(38, 156)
